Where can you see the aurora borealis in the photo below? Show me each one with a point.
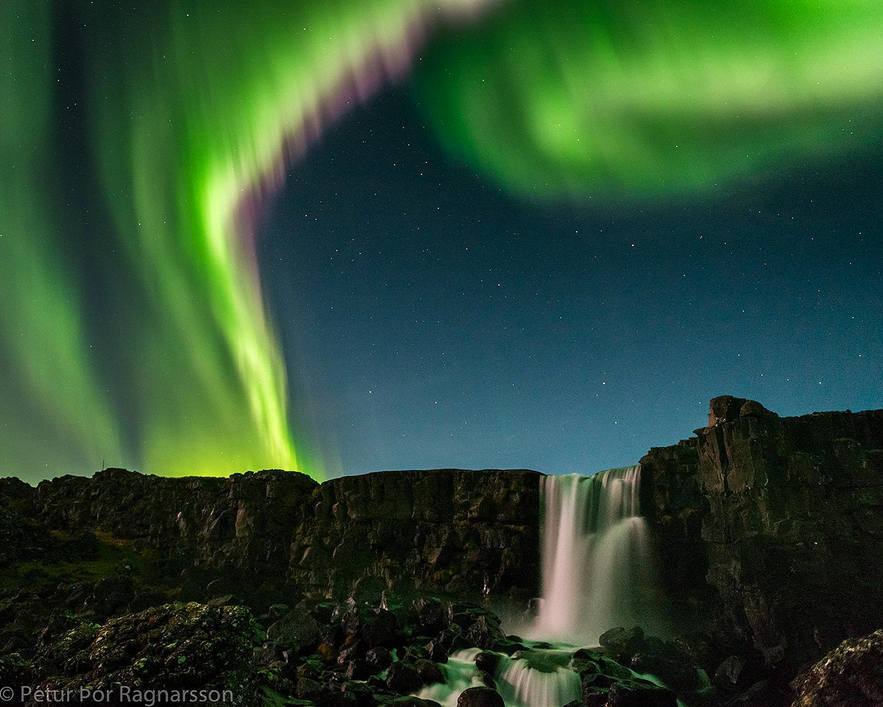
(142, 146)
(658, 97)
(185, 137)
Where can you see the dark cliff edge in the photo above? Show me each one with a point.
(770, 529)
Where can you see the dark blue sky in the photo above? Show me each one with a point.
(432, 320)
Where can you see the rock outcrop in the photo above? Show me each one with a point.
(171, 647)
(770, 529)
(451, 532)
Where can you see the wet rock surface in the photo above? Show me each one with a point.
(480, 697)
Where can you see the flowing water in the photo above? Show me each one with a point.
(541, 680)
(596, 575)
(596, 560)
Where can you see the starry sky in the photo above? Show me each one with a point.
(443, 322)
(359, 235)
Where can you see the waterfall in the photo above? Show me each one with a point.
(539, 680)
(596, 576)
(596, 564)
(542, 679)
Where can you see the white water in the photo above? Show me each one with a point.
(596, 563)
(523, 684)
(460, 673)
(545, 683)
(596, 575)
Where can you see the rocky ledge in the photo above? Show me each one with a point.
(769, 529)
(447, 532)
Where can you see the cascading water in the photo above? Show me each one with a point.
(596, 575)
(596, 563)
(538, 679)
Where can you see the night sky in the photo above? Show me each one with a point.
(360, 235)
(439, 321)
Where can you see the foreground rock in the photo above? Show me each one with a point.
(174, 647)
(339, 660)
(480, 697)
(849, 676)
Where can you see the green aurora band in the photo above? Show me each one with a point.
(654, 98)
(194, 108)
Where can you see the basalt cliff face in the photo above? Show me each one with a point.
(770, 529)
(272, 534)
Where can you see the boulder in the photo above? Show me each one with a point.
(429, 615)
(360, 670)
(622, 642)
(480, 697)
(487, 661)
(730, 673)
(593, 696)
(402, 678)
(380, 628)
(296, 630)
(429, 672)
(379, 656)
(435, 651)
(849, 676)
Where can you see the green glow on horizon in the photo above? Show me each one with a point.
(191, 109)
(575, 99)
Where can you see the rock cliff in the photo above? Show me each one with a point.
(770, 529)
(264, 535)
(469, 534)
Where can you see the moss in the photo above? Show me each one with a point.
(15, 670)
(113, 554)
(270, 698)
